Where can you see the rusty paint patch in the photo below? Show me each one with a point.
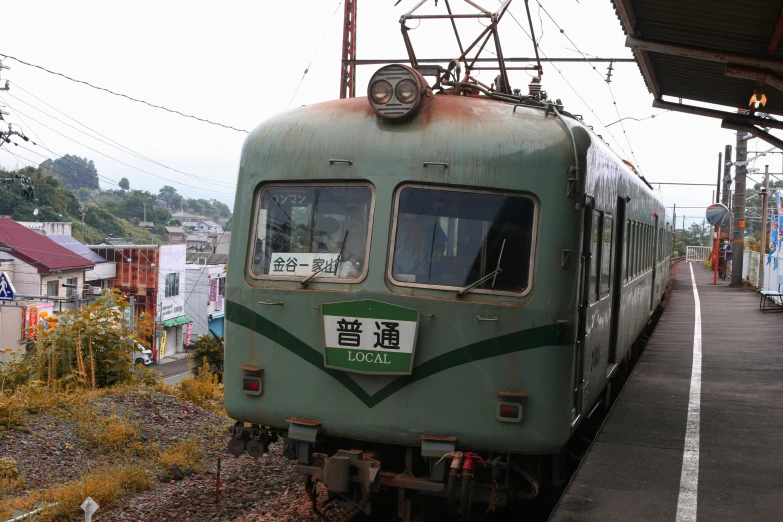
(304, 422)
(249, 368)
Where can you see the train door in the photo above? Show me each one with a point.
(654, 281)
(583, 300)
(592, 334)
(617, 282)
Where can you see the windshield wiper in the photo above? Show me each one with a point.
(327, 265)
(492, 274)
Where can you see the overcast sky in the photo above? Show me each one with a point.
(238, 63)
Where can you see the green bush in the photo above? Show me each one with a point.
(210, 350)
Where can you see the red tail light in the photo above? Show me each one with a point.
(509, 412)
(251, 385)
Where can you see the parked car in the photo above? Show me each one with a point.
(142, 356)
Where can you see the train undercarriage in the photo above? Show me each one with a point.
(370, 474)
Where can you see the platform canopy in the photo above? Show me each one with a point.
(715, 51)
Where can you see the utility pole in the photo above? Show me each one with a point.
(764, 192)
(738, 233)
(83, 211)
(348, 71)
(717, 193)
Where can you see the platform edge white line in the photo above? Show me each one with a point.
(689, 477)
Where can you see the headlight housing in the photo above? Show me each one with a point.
(398, 92)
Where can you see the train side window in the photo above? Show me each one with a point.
(447, 239)
(635, 253)
(606, 254)
(321, 229)
(595, 254)
(627, 246)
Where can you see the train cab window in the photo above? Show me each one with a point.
(449, 239)
(606, 254)
(302, 230)
(595, 254)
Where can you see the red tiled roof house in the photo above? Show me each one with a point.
(40, 266)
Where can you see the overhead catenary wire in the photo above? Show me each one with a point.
(587, 105)
(609, 85)
(173, 111)
(110, 142)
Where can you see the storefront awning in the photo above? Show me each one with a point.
(216, 315)
(177, 321)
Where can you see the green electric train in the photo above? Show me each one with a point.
(430, 291)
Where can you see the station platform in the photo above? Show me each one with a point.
(686, 439)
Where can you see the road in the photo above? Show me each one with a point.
(173, 372)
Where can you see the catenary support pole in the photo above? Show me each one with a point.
(765, 191)
(738, 236)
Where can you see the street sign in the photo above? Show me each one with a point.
(718, 215)
(89, 506)
(7, 290)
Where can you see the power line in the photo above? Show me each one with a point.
(120, 161)
(318, 48)
(113, 143)
(124, 95)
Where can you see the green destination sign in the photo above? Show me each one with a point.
(369, 337)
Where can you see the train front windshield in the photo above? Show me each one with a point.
(446, 238)
(319, 231)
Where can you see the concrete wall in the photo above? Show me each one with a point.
(48, 228)
(197, 295)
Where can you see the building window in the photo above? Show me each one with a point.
(222, 286)
(172, 284)
(52, 288)
(70, 281)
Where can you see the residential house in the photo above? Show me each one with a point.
(177, 235)
(97, 279)
(206, 258)
(199, 242)
(188, 221)
(209, 227)
(41, 266)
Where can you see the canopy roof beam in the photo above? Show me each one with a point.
(752, 129)
(701, 53)
(741, 119)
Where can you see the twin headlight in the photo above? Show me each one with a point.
(398, 92)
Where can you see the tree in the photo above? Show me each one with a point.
(88, 348)
(124, 184)
(209, 348)
(73, 172)
(167, 193)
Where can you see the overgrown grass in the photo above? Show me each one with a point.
(113, 433)
(105, 485)
(204, 390)
(186, 454)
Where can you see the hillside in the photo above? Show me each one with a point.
(60, 196)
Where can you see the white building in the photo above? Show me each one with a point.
(205, 290)
(208, 226)
(48, 228)
(187, 220)
(171, 289)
